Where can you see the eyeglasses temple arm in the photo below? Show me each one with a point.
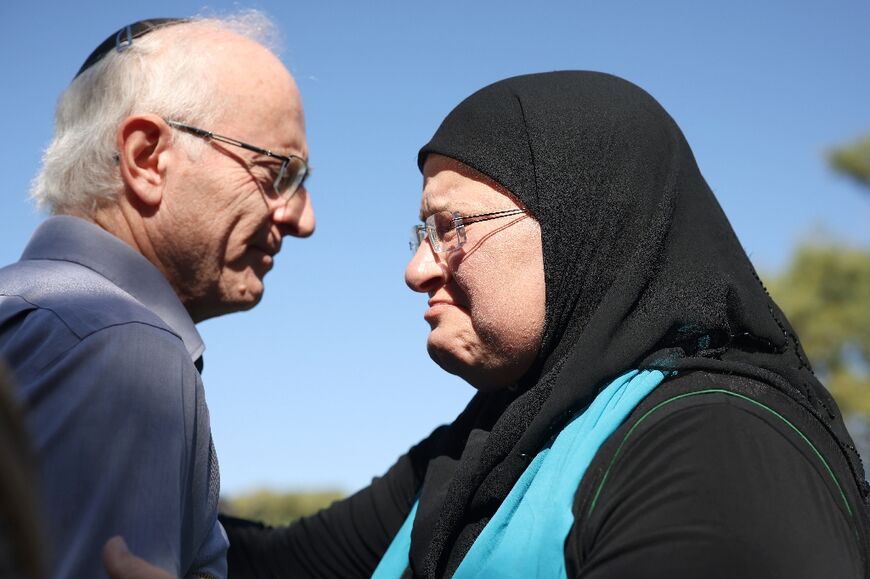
(192, 130)
(220, 138)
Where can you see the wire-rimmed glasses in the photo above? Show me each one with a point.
(445, 230)
(292, 174)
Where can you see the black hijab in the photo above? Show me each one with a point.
(642, 269)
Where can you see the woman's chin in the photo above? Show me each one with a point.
(478, 375)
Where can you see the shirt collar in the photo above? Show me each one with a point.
(79, 241)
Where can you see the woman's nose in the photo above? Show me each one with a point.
(425, 272)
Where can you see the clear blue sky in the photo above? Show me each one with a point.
(327, 381)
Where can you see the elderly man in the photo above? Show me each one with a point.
(177, 167)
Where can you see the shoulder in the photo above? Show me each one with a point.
(119, 417)
(76, 296)
(130, 380)
(81, 348)
(50, 310)
(724, 471)
(131, 371)
(724, 413)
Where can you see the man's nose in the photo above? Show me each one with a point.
(296, 216)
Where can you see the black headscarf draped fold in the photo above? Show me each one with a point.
(642, 269)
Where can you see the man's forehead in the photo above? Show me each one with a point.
(274, 124)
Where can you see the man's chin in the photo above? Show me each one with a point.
(247, 296)
(240, 298)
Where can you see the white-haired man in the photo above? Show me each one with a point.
(177, 167)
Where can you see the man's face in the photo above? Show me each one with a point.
(220, 221)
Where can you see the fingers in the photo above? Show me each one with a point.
(120, 563)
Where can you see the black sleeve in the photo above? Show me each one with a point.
(345, 540)
(715, 486)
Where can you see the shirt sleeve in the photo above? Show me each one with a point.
(343, 541)
(715, 490)
(123, 443)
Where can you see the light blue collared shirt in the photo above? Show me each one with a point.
(103, 353)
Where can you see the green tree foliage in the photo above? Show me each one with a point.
(825, 292)
(275, 508)
(853, 160)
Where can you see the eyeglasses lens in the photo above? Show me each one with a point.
(444, 230)
(448, 229)
(418, 235)
(290, 177)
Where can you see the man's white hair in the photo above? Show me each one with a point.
(164, 72)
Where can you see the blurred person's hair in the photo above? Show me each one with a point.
(165, 72)
(21, 547)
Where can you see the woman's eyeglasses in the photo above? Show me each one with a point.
(445, 230)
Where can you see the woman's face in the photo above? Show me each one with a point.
(486, 299)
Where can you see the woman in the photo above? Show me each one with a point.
(644, 408)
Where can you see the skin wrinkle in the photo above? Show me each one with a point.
(218, 257)
(491, 291)
(210, 224)
(636, 249)
(479, 243)
(207, 221)
(241, 271)
(646, 274)
(489, 325)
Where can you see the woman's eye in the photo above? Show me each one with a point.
(444, 225)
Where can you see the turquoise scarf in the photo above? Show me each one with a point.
(526, 536)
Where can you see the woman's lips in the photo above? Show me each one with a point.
(438, 307)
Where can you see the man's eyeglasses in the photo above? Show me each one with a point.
(290, 176)
(446, 229)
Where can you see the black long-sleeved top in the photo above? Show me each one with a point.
(711, 476)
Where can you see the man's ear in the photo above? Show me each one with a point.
(144, 154)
